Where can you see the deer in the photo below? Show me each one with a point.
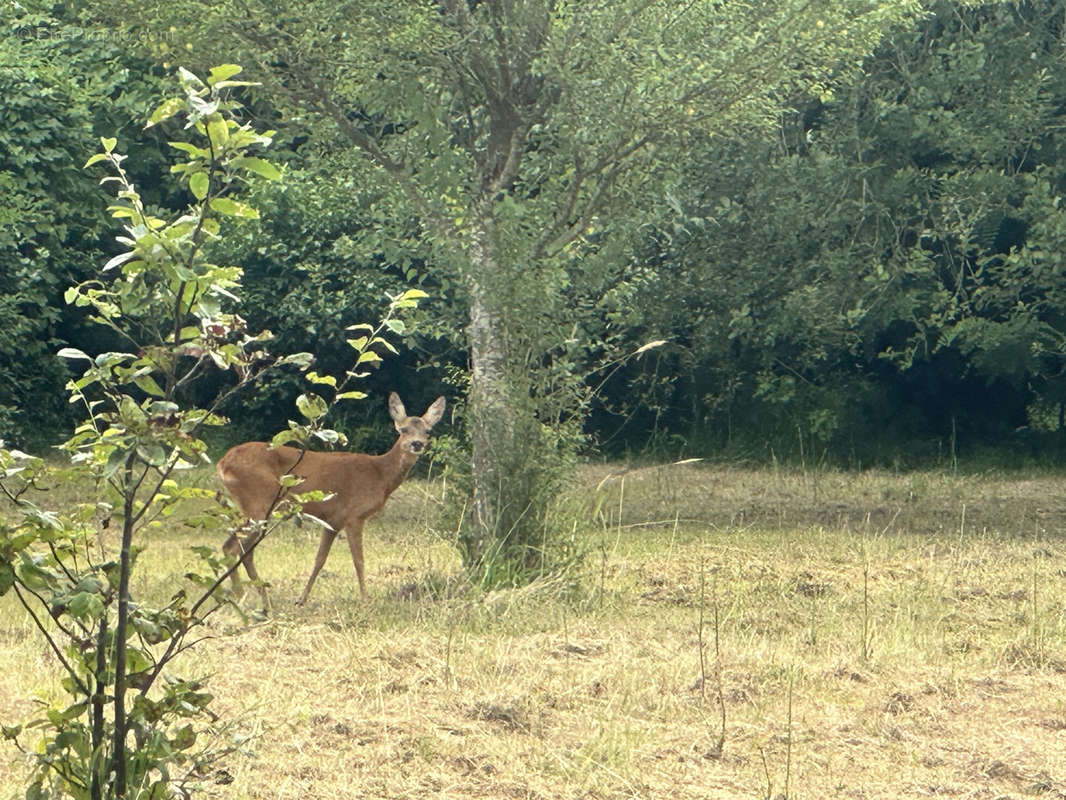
(357, 485)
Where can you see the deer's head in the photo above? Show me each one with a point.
(414, 431)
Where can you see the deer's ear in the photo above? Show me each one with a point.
(434, 412)
(396, 409)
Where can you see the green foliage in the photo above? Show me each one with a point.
(57, 80)
(371, 344)
(520, 136)
(164, 301)
(535, 469)
(321, 254)
(882, 279)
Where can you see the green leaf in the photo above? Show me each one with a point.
(189, 78)
(86, 605)
(231, 208)
(21, 542)
(148, 630)
(184, 738)
(44, 519)
(7, 577)
(94, 159)
(329, 380)
(284, 437)
(259, 166)
(121, 212)
(166, 110)
(121, 258)
(351, 396)
(115, 461)
(152, 453)
(222, 72)
(32, 576)
(368, 357)
(384, 343)
(191, 149)
(332, 437)
(73, 352)
(58, 717)
(311, 406)
(217, 132)
(149, 385)
(128, 410)
(301, 360)
(199, 184)
(108, 142)
(396, 326)
(358, 344)
(137, 660)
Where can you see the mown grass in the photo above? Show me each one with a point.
(878, 636)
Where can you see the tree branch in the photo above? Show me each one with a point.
(48, 638)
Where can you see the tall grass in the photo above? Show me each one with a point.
(868, 639)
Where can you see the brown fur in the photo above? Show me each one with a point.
(360, 484)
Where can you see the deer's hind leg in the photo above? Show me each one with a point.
(242, 547)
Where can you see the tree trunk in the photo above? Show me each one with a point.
(491, 410)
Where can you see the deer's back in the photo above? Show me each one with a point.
(353, 478)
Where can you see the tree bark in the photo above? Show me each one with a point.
(491, 409)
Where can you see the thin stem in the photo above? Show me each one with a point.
(51, 642)
(70, 634)
(118, 756)
(97, 706)
(720, 746)
(788, 736)
(699, 634)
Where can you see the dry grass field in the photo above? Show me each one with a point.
(862, 635)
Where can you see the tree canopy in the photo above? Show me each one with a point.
(518, 134)
(847, 242)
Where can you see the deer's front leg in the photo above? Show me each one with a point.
(324, 544)
(355, 544)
